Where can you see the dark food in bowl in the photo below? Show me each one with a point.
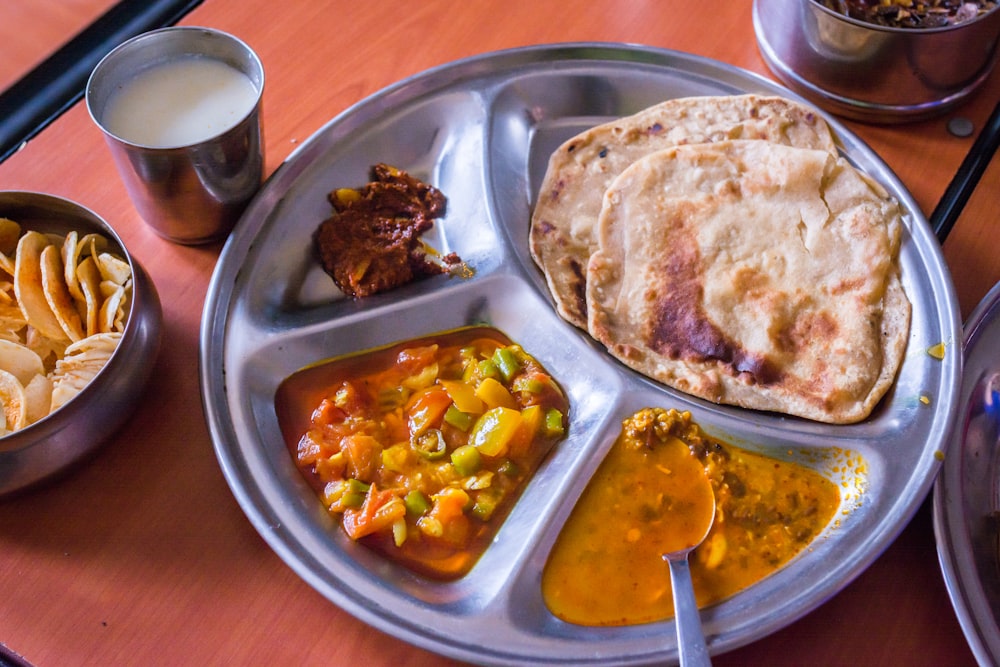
(372, 242)
(912, 13)
(419, 449)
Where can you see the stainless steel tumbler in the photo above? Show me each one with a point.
(194, 193)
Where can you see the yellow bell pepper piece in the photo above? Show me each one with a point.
(464, 397)
(495, 395)
(494, 431)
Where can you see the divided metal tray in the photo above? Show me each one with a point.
(482, 130)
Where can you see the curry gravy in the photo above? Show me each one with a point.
(606, 567)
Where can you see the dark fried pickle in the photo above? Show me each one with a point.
(372, 243)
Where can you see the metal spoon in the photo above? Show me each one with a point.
(688, 527)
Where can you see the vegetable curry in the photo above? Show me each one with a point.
(419, 449)
(606, 566)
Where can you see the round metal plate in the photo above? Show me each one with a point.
(967, 493)
(481, 130)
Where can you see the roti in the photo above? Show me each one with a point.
(753, 274)
(563, 224)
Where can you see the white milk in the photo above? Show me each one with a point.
(179, 103)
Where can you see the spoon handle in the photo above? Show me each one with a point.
(690, 639)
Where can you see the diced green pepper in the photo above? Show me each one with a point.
(466, 460)
(417, 503)
(488, 369)
(506, 362)
(508, 468)
(357, 486)
(354, 493)
(530, 385)
(485, 505)
(554, 422)
(463, 421)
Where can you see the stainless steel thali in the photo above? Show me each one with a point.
(481, 130)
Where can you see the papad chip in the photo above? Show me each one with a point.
(10, 232)
(12, 319)
(61, 317)
(38, 398)
(90, 285)
(112, 315)
(82, 362)
(57, 294)
(15, 403)
(20, 361)
(113, 268)
(28, 285)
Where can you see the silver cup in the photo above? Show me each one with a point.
(195, 193)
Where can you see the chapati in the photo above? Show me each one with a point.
(562, 234)
(753, 274)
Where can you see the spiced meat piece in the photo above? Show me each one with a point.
(372, 243)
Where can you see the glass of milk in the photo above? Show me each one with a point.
(180, 111)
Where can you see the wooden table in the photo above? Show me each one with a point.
(142, 556)
(32, 30)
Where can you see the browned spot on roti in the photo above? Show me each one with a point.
(579, 286)
(682, 330)
(805, 329)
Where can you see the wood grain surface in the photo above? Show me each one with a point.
(31, 30)
(141, 555)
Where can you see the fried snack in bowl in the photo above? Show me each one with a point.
(79, 322)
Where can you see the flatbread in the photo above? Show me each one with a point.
(753, 274)
(562, 234)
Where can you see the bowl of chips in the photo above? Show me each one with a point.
(79, 322)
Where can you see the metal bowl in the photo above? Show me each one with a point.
(50, 445)
(874, 73)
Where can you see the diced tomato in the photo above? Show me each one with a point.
(354, 401)
(427, 410)
(363, 454)
(545, 390)
(378, 512)
(412, 359)
(309, 449)
(447, 520)
(327, 413)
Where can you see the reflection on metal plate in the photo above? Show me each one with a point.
(481, 130)
(966, 501)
